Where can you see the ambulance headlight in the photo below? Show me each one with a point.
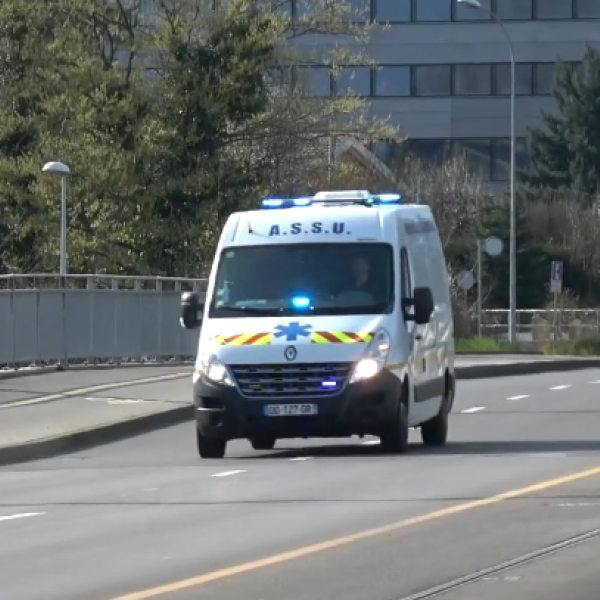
(374, 359)
(214, 370)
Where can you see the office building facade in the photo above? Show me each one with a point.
(444, 72)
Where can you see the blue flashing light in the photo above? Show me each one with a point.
(391, 198)
(300, 302)
(329, 384)
(286, 202)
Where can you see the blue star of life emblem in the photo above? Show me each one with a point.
(292, 331)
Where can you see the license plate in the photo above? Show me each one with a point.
(290, 410)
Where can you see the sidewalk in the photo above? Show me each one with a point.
(60, 411)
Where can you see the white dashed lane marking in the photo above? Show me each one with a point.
(560, 387)
(299, 458)
(227, 473)
(519, 397)
(19, 516)
(474, 409)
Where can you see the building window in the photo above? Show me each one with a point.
(501, 158)
(354, 80)
(303, 10)
(554, 9)
(472, 80)
(515, 10)
(433, 10)
(357, 11)
(316, 81)
(279, 77)
(587, 9)
(523, 79)
(394, 11)
(466, 13)
(431, 152)
(285, 8)
(384, 150)
(544, 79)
(432, 80)
(488, 159)
(478, 154)
(392, 81)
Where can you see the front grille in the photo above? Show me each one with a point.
(290, 381)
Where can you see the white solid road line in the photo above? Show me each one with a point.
(518, 397)
(19, 516)
(560, 387)
(474, 409)
(227, 473)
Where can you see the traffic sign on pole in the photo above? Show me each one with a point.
(556, 277)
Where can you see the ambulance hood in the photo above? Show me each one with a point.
(258, 340)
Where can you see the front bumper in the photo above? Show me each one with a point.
(363, 408)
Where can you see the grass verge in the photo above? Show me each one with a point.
(485, 345)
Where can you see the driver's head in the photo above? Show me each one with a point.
(360, 269)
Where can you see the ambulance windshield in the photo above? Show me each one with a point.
(316, 279)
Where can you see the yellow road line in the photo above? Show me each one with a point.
(192, 582)
(92, 389)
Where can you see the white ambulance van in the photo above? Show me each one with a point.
(327, 316)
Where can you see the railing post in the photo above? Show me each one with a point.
(63, 293)
(114, 285)
(159, 290)
(90, 287)
(13, 329)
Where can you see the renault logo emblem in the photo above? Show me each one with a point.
(290, 353)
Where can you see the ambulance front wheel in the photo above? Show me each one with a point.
(435, 431)
(395, 439)
(210, 447)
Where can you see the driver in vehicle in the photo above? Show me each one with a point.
(359, 290)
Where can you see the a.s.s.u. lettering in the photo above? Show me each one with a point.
(314, 228)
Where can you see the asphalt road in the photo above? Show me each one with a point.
(145, 518)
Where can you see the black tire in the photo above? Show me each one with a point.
(263, 443)
(210, 447)
(395, 440)
(435, 431)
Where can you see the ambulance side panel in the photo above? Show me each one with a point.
(432, 344)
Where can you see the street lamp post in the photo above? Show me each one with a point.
(59, 168)
(512, 312)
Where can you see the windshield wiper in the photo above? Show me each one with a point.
(250, 309)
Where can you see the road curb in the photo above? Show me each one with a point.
(526, 368)
(114, 432)
(94, 436)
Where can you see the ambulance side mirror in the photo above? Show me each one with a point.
(191, 310)
(423, 305)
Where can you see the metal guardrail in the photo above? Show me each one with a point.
(93, 319)
(543, 326)
(46, 319)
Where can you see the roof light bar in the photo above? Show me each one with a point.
(343, 196)
(389, 198)
(286, 202)
(363, 197)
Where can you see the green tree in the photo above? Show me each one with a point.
(566, 153)
(168, 118)
(533, 260)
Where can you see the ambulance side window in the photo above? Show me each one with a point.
(405, 280)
